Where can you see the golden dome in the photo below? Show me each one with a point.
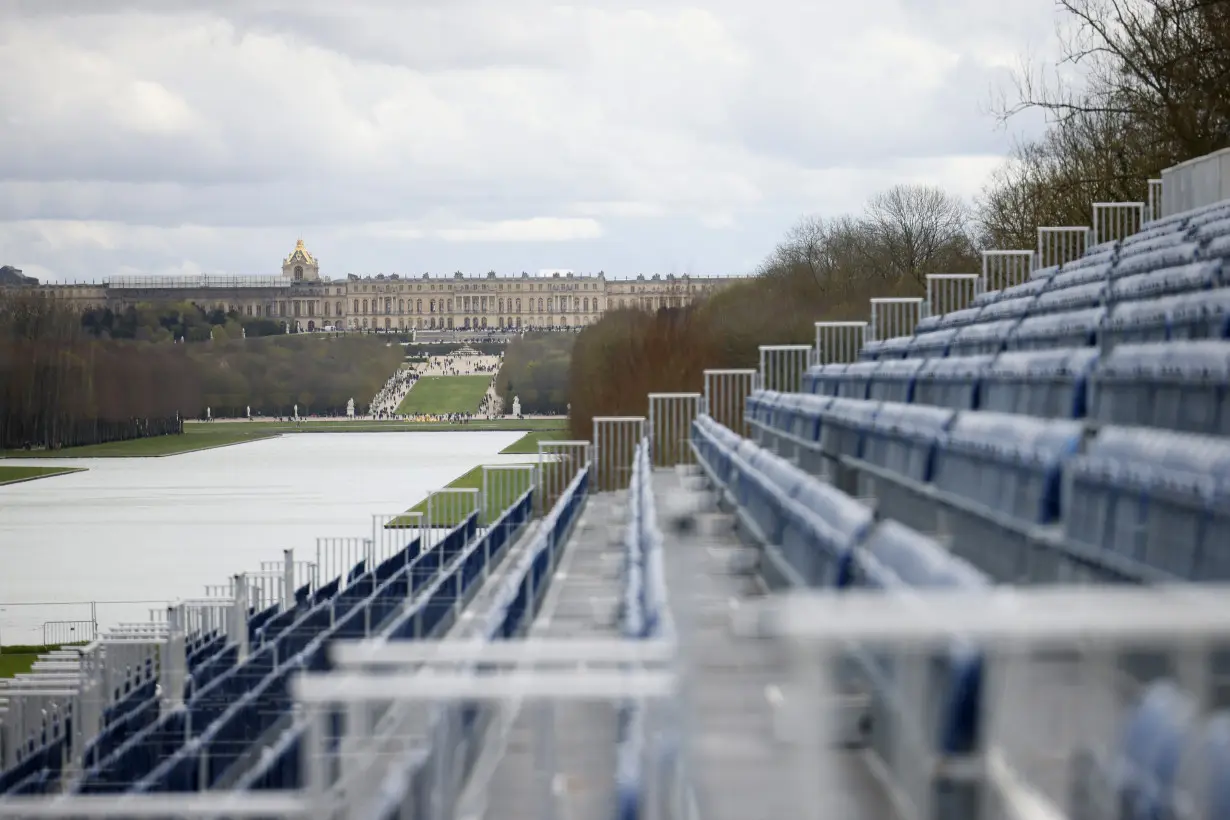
(301, 252)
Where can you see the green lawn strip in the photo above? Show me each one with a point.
(15, 475)
(17, 660)
(445, 514)
(438, 395)
(205, 435)
(528, 444)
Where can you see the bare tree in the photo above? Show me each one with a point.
(918, 229)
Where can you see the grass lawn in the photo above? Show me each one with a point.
(13, 475)
(202, 435)
(16, 664)
(471, 480)
(437, 395)
(528, 444)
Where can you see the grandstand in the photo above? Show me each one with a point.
(963, 560)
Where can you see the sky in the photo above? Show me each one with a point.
(414, 136)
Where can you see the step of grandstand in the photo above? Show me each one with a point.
(735, 725)
(580, 603)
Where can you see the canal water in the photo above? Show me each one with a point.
(131, 534)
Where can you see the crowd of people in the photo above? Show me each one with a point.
(385, 403)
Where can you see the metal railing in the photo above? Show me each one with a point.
(782, 366)
(615, 440)
(1003, 269)
(1059, 246)
(894, 316)
(947, 292)
(558, 464)
(839, 342)
(503, 484)
(670, 424)
(1116, 220)
(726, 393)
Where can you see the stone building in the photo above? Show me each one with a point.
(301, 297)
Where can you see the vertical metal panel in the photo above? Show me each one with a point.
(558, 463)
(1003, 269)
(892, 317)
(1061, 245)
(615, 440)
(670, 424)
(782, 366)
(726, 393)
(503, 485)
(1116, 220)
(947, 292)
(839, 342)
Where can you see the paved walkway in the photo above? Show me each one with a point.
(579, 603)
(740, 768)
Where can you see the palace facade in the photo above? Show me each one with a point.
(300, 297)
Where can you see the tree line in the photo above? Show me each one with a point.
(536, 370)
(62, 384)
(1153, 94)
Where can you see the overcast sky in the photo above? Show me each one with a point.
(411, 136)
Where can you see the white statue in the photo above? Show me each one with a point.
(208, 414)
(296, 412)
(249, 411)
(350, 409)
(517, 406)
(287, 326)
(244, 331)
(211, 334)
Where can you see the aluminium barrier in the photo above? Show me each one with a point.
(503, 485)
(559, 462)
(837, 343)
(782, 366)
(1153, 210)
(1116, 221)
(1091, 708)
(1004, 269)
(615, 441)
(1061, 245)
(670, 420)
(948, 292)
(894, 316)
(726, 393)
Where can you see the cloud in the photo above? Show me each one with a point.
(155, 135)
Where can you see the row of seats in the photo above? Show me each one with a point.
(1128, 504)
(1183, 386)
(828, 539)
(514, 606)
(224, 708)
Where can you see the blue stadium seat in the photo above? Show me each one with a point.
(843, 424)
(952, 382)
(1131, 322)
(894, 379)
(927, 324)
(1200, 315)
(902, 438)
(1216, 760)
(1179, 385)
(1077, 328)
(1168, 255)
(984, 337)
(1081, 277)
(1155, 497)
(852, 383)
(1029, 288)
(1044, 273)
(933, 344)
(826, 378)
(870, 351)
(820, 525)
(799, 415)
(960, 318)
(1156, 734)
(1007, 309)
(987, 297)
(1007, 463)
(1198, 276)
(1043, 383)
(1077, 297)
(894, 555)
(897, 347)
